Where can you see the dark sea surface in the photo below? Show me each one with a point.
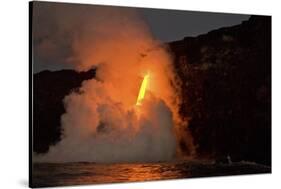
(58, 174)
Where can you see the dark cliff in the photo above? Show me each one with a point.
(226, 89)
(48, 92)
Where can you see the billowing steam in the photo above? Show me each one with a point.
(102, 122)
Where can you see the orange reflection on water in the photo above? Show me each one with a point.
(90, 173)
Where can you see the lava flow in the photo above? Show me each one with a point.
(142, 89)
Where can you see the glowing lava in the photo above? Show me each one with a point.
(142, 89)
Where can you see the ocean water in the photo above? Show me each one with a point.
(58, 174)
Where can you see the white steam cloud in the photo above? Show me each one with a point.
(102, 122)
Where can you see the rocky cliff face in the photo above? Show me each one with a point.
(49, 90)
(226, 89)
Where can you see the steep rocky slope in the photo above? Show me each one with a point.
(226, 89)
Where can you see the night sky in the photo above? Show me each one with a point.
(171, 25)
(165, 25)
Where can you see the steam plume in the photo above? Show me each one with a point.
(102, 123)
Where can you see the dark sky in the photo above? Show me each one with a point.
(166, 25)
(170, 25)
